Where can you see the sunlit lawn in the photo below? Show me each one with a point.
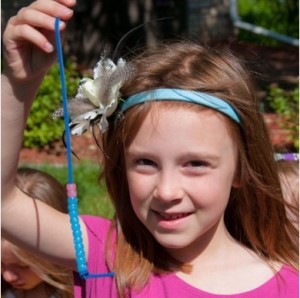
(92, 197)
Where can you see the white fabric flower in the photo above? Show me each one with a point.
(98, 98)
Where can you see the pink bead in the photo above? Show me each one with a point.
(71, 190)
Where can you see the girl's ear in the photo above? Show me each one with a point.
(236, 182)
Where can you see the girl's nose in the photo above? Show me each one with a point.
(168, 187)
(9, 275)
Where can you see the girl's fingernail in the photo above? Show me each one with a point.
(67, 11)
(72, 2)
(49, 47)
(62, 25)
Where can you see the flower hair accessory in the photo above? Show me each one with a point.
(97, 98)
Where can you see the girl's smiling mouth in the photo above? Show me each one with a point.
(173, 216)
(171, 220)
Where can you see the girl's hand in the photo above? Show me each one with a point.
(28, 39)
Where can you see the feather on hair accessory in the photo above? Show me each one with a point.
(98, 98)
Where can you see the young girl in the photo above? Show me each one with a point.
(188, 165)
(29, 275)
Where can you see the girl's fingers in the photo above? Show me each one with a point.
(35, 23)
(42, 14)
(52, 8)
(36, 19)
(29, 34)
(69, 3)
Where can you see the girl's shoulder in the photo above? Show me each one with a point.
(284, 284)
(289, 274)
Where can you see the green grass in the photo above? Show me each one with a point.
(92, 196)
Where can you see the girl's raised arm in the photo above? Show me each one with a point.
(28, 43)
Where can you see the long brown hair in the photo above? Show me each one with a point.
(255, 215)
(41, 186)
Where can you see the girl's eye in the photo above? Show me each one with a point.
(145, 166)
(197, 163)
(145, 162)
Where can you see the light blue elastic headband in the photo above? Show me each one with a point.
(199, 98)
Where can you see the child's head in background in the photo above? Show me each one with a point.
(26, 272)
(17, 273)
(289, 179)
(42, 186)
(21, 269)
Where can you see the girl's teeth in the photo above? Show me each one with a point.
(173, 216)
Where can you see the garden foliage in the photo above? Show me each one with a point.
(41, 128)
(286, 105)
(281, 16)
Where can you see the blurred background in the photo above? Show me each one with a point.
(99, 23)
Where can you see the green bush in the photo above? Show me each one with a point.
(41, 128)
(276, 15)
(286, 104)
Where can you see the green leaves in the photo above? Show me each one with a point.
(279, 16)
(41, 128)
(286, 104)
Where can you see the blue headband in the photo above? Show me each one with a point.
(191, 96)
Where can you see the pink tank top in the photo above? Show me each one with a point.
(285, 284)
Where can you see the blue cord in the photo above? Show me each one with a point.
(64, 99)
(71, 186)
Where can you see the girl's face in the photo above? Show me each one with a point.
(16, 273)
(180, 169)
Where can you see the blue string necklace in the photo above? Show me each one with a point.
(71, 186)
